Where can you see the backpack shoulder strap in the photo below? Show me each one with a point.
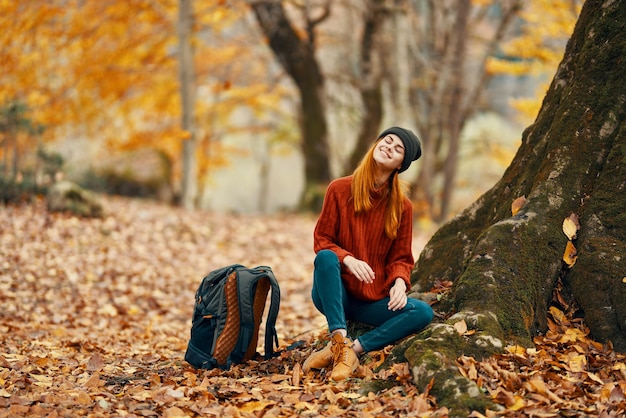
(271, 336)
(247, 279)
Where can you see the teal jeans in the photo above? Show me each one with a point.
(331, 299)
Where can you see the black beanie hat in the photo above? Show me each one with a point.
(412, 145)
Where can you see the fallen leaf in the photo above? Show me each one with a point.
(518, 204)
(537, 385)
(505, 397)
(577, 363)
(460, 327)
(617, 395)
(571, 226)
(351, 395)
(81, 398)
(95, 363)
(295, 374)
(570, 255)
(174, 412)
(379, 358)
(41, 380)
(605, 392)
(254, 406)
(595, 378)
(517, 350)
(472, 372)
(94, 381)
(573, 335)
(520, 403)
(402, 370)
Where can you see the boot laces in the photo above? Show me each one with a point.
(341, 354)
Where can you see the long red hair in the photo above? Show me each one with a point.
(363, 183)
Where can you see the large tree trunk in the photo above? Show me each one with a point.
(297, 57)
(504, 267)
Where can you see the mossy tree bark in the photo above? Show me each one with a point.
(504, 267)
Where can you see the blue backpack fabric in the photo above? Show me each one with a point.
(228, 312)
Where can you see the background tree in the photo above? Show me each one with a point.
(423, 66)
(447, 58)
(295, 52)
(14, 124)
(188, 101)
(83, 70)
(105, 74)
(370, 81)
(505, 260)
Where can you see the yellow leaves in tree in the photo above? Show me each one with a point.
(546, 27)
(528, 107)
(499, 66)
(108, 71)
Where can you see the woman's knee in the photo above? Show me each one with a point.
(327, 272)
(325, 258)
(421, 313)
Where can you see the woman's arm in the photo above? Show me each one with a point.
(325, 235)
(400, 259)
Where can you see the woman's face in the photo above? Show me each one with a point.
(389, 152)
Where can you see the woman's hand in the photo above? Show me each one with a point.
(397, 295)
(359, 268)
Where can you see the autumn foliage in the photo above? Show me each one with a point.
(96, 316)
(106, 72)
(538, 48)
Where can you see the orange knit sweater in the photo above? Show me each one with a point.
(363, 236)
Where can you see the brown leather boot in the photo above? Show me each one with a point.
(319, 359)
(345, 360)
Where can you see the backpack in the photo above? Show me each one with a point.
(228, 311)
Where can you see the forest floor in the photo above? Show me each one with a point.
(96, 315)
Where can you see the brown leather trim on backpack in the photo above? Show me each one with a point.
(228, 338)
(263, 287)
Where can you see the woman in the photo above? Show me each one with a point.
(363, 260)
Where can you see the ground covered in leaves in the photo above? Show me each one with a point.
(96, 313)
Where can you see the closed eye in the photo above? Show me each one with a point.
(397, 148)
